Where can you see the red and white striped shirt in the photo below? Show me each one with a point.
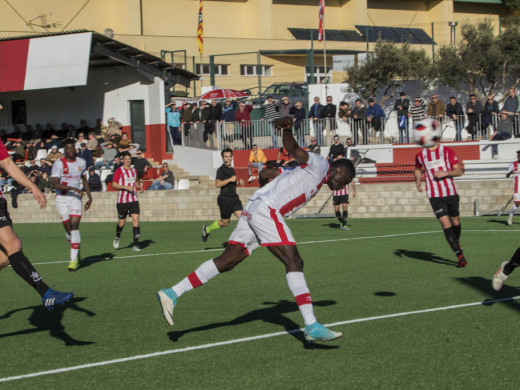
(126, 177)
(440, 159)
(515, 167)
(343, 191)
(3, 155)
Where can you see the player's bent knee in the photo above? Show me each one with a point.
(231, 257)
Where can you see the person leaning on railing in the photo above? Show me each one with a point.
(436, 108)
(490, 111)
(298, 114)
(455, 113)
(473, 110)
(504, 132)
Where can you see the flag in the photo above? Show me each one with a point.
(320, 29)
(200, 35)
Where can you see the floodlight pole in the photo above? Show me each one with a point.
(452, 25)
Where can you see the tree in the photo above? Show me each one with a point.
(482, 62)
(388, 68)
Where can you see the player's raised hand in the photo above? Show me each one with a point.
(40, 198)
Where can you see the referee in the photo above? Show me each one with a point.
(228, 200)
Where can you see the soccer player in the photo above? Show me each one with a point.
(228, 200)
(125, 180)
(340, 198)
(440, 165)
(68, 173)
(505, 270)
(514, 168)
(262, 224)
(11, 246)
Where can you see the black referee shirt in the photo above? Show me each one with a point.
(224, 173)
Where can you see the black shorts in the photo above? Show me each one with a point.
(446, 205)
(228, 205)
(340, 199)
(125, 209)
(5, 219)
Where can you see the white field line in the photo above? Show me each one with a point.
(299, 243)
(243, 340)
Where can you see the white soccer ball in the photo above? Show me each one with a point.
(426, 132)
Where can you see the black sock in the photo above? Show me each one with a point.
(23, 267)
(338, 216)
(513, 263)
(137, 233)
(457, 229)
(452, 240)
(345, 216)
(119, 230)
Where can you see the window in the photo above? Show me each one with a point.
(220, 69)
(251, 70)
(319, 73)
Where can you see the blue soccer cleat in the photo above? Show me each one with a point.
(168, 300)
(53, 297)
(317, 332)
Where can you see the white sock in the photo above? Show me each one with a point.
(67, 236)
(513, 209)
(298, 286)
(75, 240)
(201, 275)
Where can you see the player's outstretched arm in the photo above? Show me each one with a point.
(289, 143)
(10, 167)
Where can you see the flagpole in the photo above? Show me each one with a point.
(325, 54)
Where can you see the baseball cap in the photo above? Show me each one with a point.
(371, 100)
(54, 147)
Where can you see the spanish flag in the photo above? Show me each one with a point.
(200, 35)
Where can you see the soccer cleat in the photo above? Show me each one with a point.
(500, 277)
(510, 220)
(168, 300)
(73, 265)
(205, 233)
(251, 178)
(461, 261)
(317, 332)
(115, 243)
(135, 248)
(53, 297)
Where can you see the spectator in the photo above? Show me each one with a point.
(436, 108)
(49, 130)
(504, 131)
(418, 110)
(133, 148)
(490, 112)
(81, 139)
(214, 117)
(314, 147)
(45, 166)
(186, 117)
(257, 159)
(355, 157)
(298, 114)
(401, 106)
(83, 127)
(166, 180)
(54, 154)
(100, 129)
(92, 142)
(270, 114)
(284, 159)
(455, 113)
(375, 115)
(316, 115)
(86, 154)
(344, 111)
(337, 151)
(114, 127)
(94, 181)
(72, 132)
(284, 107)
(512, 106)
(33, 168)
(45, 183)
(359, 115)
(18, 150)
(173, 118)
(329, 113)
(140, 164)
(243, 116)
(109, 153)
(117, 162)
(473, 110)
(124, 142)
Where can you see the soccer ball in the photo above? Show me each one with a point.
(426, 132)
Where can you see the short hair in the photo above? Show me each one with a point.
(316, 97)
(269, 97)
(343, 103)
(227, 150)
(345, 165)
(357, 100)
(254, 145)
(69, 141)
(124, 154)
(453, 97)
(472, 95)
(329, 97)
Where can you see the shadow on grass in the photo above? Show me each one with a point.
(499, 221)
(142, 244)
(273, 314)
(484, 285)
(425, 256)
(385, 294)
(88, 261)
(44, 320)
(332, 225)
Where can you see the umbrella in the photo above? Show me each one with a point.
(222, 94)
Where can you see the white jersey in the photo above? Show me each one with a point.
(514, 168)
(70, 174)
(293, 188)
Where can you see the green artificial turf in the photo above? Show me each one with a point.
(379, 268)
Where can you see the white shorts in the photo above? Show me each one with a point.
(260, 225)
(68, 206)
(516, 197)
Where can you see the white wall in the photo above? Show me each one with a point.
(198, 162)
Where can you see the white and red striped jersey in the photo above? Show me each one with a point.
(343, 191)
(440, 159)
(126, 177)
(70, 174)
(293, 188)
(515, 167)
(3, 155)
